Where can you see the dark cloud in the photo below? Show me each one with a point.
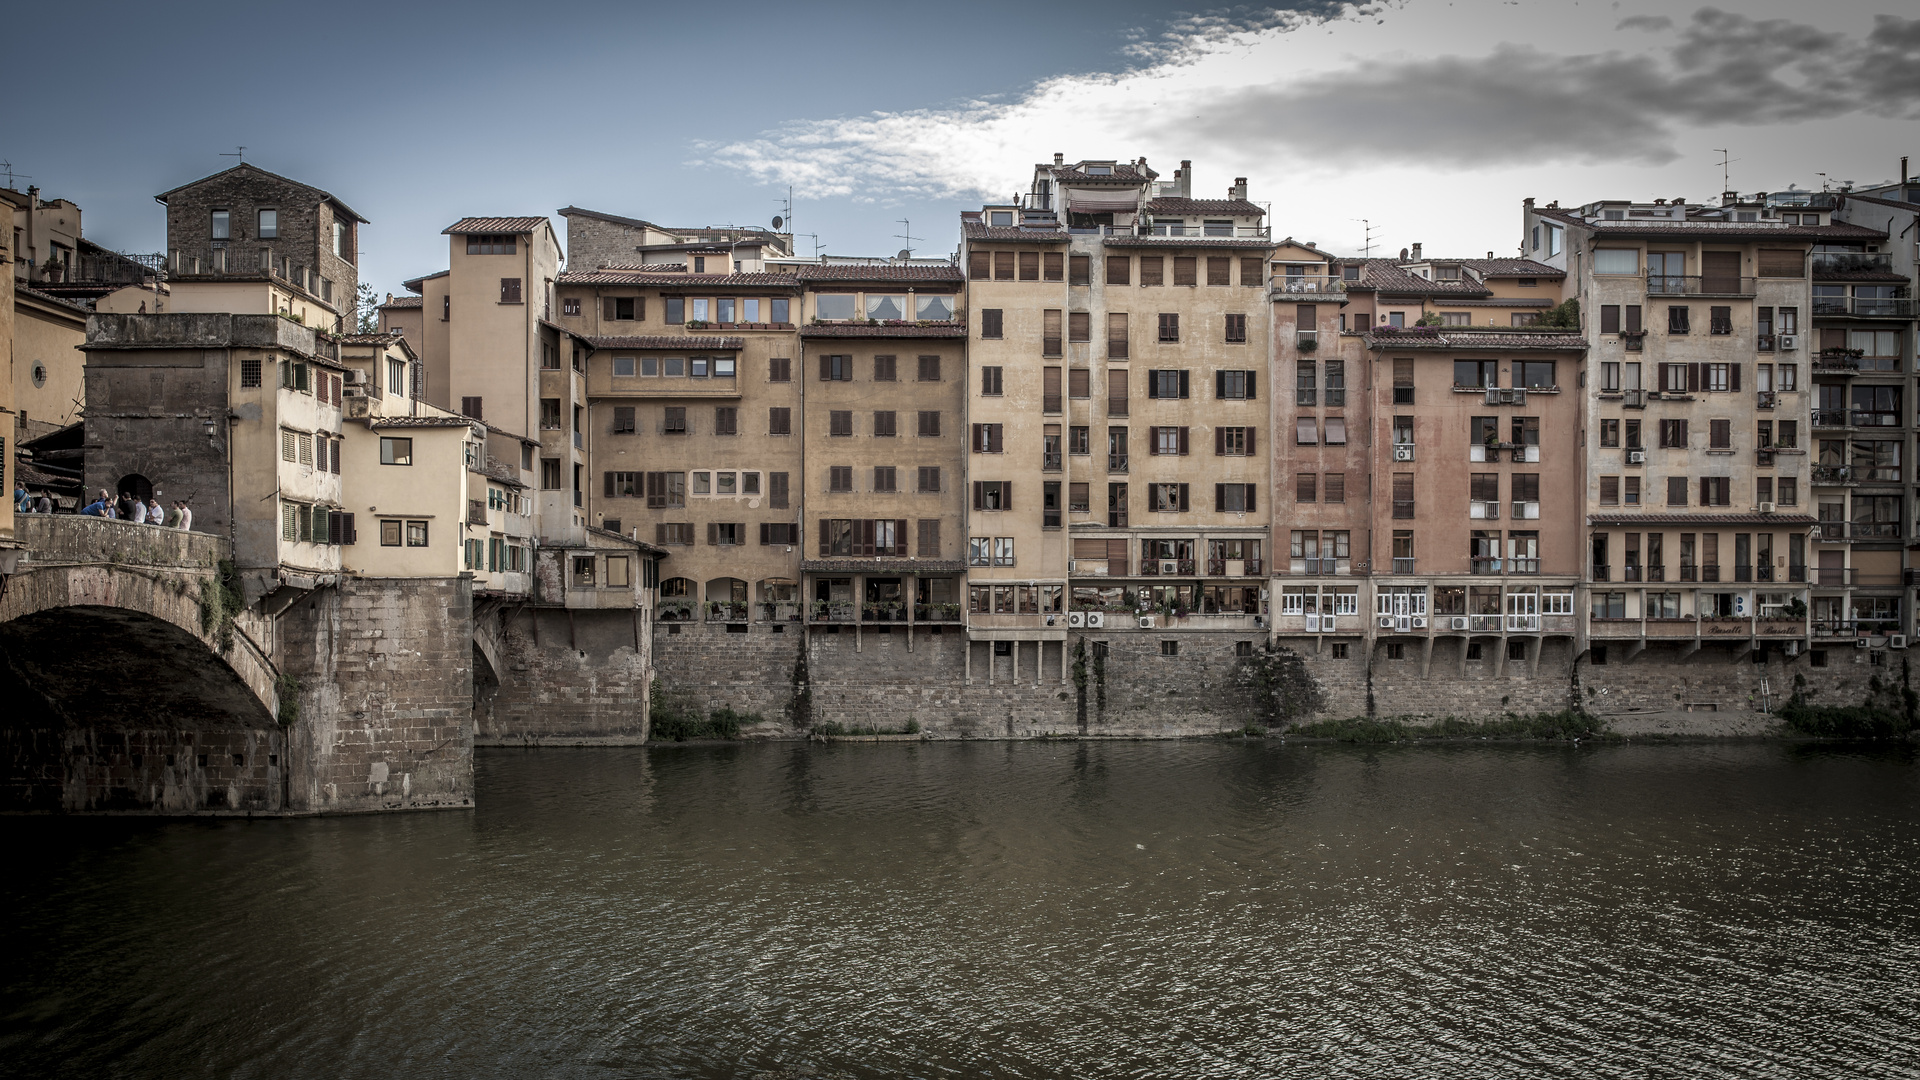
(1525, 104)
(1649, 23)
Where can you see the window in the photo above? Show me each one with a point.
(674, 422)
(1306, 431)
(250, 372)
(840, 478)
(1719, 320)
(1153, 270)
(1676, 319)
(1609, 433)
(1233, 441)
(1236, 329)
(1673, 433)
(1237, 385)
(1336, 395)
(780, 421)
(929, 424)
(726, 420)
(550, 474)
(1079, 326)
(840, 422)
(623, 420)
(396, 451)
(1050, 332)
(1117, 392)
(1119, 270)
(1029, 266)
(416, 534)
(1715, 491)
(1079, 440)
(470, 406)
(1234, 498)
(1079, 498)
(509, 290)
(1170, 326)
(1116, 506)
(1336, 433)
(1079, 384)
(993, 495)
(884, 478)
(550, 414)
(1116, 335)
(1185, 270)
(884, 308)
(1677, 491)
(990, 381)
(1533, 374)
(1167, 441)
(929, 546)
(835, 307)
(883, 424)
(1167, 498)
(836, 368)
(991, 323)
(1080, 270)
(929, 369)
(986, 438)
(928, 480)
(1167, 384)
(221, 227)
(776, 490)
(1476, 373)
(488, 244)
(1719, 434)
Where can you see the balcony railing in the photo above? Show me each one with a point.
(1237, 232)
(1657, 572)
(1307, 285)
(831, 611)
(1601, 573)
(781, 611)
(1836, 362)
(1851, 262)
(885, 611)
(1874, 530)
(1523, 624)
(1831, 530)
(675, 610)
(1049, 462)
(1697, 285)
(1632, 573)
(941, 613)
(1689, 572)
(1116, 463)
(727, 610)
(1403, 566)
(1830, 418)
(1485, 564)
(1523, 566)
(1833, 474)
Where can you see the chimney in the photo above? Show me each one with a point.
(1903, 169)
(1059, 159)
(33, 232)
(1186, 178)
(1527, 202)
(1489, 254)
(1729, 198)
(1416, 253)
(1239, 188)
(1403, 254)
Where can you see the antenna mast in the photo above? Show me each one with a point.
(907, 235)
(8, 166)
(238, 152)
(1367, 232)
(1726, 175)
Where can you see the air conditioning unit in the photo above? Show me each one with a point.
(1457, 622)
(1789, 342)
(1076, 618)
(1792, 649)
(1860, 643)
(1767, 507)
(1148, 622)
(1897, 641)
(353, 391)
(356, 377)
(1403, 452)
(1403, 625)
(1495, 397)
(1385, 622)
(1636, 457)
(1051, 619)
(1516, 397)
(1167, 566)
(1313, 624)
(1419, 622)
(1096, 620)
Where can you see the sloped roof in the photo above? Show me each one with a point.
(880, 272)
(704, 281)
(647, 267)
(420, 422)
(1511, 268)
(493, 225)
(1230, 207)
(415, 283)
(975, 230)
(1123, 171)
(327, 195)
(1704, 228)
(683, 342)
(884, 330)
(1388, 276)
(405, 302)
(1466, 337)
(384, 338)
(1700, 519)
(1878, 201)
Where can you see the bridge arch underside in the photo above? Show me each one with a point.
(114, 709)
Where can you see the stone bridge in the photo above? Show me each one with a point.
(132, 677)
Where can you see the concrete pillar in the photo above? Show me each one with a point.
(1016, 663)
(1426, 658)
(968, 674)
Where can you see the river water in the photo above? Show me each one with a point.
(1178, 909)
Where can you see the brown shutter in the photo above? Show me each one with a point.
(1219, 441)
(607, 308)
(1183, 498)
(863, 537)
(900, 536)
(763, 534)
(978, 442)
(994, 432)
(826, 539)
(1006, 494)
(978, 486)
(1251, 376)
(713, 534)
(1775, 262)
(609, 479)
(1251, 492)
(826, 368)
(1734, 378)
(1183, 442)
(659, 530)
(1183, 383)
(1693, 378)
(1219, 497)
(1250, 450)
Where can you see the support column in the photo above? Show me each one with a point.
(1533, 661)
(1016, 662)
(968, 662)
(1426, 658)
(1065, 672)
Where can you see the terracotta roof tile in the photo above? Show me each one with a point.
(882, 566)
(1895, 203)
(884, 330)
(976, 231)
(683, 342)
(688, 281)
(1887, 276)
(1122, 171)
(1462, 337)
(1245, 243)
(1230, 207)
(1388, 276)
(1511, 268)
(881, 272)
(647, 267)
(405, 302)
(1700, 519)
(369, 339)
(493, 225)
(420, 422)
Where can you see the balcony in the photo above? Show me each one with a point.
(675, 610)
(1634, 399)
(936, 613)
(1523, 624)
(1873, 530)
(1483, 511)
(1831, 531)
(1766, 399)
(1116, 463)
(1842, 362)
(1485, 624)
(1486, 564)
(1696, 285)
(1830, 418)
(831, 611)
(1833, 474)
(1403, 566)
(1852, 262)
(1632, 573)
(780, 611)
(1307, 285)
(727, 610)
(1319, 566)
(1523, 566)
(1231, 232)
(1227, 567)
(1763, 458)
(883, 611)
(1602, 573)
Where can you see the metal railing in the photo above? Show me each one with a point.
(942, 613)
(1850, 262)
(1830, 418)
(1486, 564)
(727, 610)
(1699, 285)
(1116, 463)
(1833, 474)
(1238, 232)
(883, 611)
(1403, 566)
(831, 611)
(1049, 461)
(1307, 285)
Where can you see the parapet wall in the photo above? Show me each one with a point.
(560, 677)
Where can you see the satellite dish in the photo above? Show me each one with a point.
(905, 253)
(778, 221)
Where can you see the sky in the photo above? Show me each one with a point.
(1378, 124)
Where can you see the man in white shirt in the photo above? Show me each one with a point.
(186, 516)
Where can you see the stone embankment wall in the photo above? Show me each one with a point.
(384, 696)
(561, 678)
(1207, 686)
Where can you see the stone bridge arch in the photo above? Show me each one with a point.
(131, 680)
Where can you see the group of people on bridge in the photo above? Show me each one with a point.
(124, 507)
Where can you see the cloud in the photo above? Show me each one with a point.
(1217, 87)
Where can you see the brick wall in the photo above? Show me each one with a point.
(386, 695)
(305, 224)
(564, 678)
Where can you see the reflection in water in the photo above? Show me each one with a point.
(1012, 909)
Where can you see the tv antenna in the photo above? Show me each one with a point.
(784, 219)
(8, 166)
(1367, 231)
(1726, 175)
(238, 152)
(815, 237)
(907, 235)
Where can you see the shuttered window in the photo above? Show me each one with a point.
(1051, 263)
(1079, 326)
(1119, 269)
(1029, 266)
(1777, 263)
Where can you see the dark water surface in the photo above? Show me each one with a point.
(1002, 909)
